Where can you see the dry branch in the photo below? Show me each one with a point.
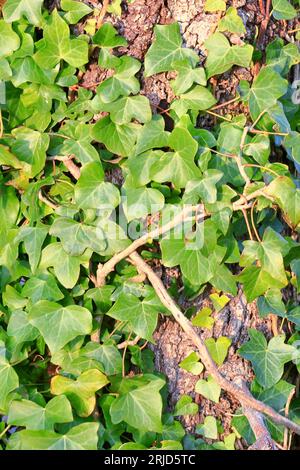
(246, 399)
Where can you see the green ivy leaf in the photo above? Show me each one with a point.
(19, 327)
(218, 348)
(91, 192)
(209, 428)
(76, 237)
(222, 56)
(267, 88)
(267, 359)
(142, 201)
(42, 287)
(283, 10)
(123, 82)
(117, 139)
(214, 5)
(30, 147)
(152, 135)
(203, 319)
(80, 392)
(166, 48)
(33, 238)
(75, 10)
(81, 437)
(56, 45)
(197, 99)
(125, 109)
(9, 379)
(232, 22)
(178, 167)
(209, 389)
(191, 364)
(57, 324)
(140, 315)
(140, 407)
(187, 76)
(33, 416)
(13, 10)
(185, 406)
(287, 195)
(107, 36)
(12, 40)
(259, 149)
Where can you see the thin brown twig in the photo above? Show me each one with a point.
(105, 5)
(226, 103)
(244, 398)
(46, 201)
(128, 342)
(244, 212)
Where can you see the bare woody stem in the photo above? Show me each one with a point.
(244, 398)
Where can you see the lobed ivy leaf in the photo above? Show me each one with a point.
(232, 22)
(75, 10)
(191, 364)
(142, 201)
(76, 237)
(267, 359)
(209, 388)
(34, 417)
(185, 406)
(283, 10)
(12, 40)
(140, 407)
(222, 56)
(166, 48)
(14, 10)
(57, 324)
(140, 315)
(56, 45)
(91, 192)
(187, 75)
(118, 139)
(33, 238)
(128, 108)
(80, 392)
(9, 379)
(81, 437)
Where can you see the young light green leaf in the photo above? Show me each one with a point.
(218, 348)
(185, 406)
(198, 98)
(57, 324)
(167, 48)
(191, 364)
(203, 319)
(12, 40)
(232, 22)
(209, 389)
(80, 392)
(107, 36)
(30, 147)
(209, 428)
(214, 5)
